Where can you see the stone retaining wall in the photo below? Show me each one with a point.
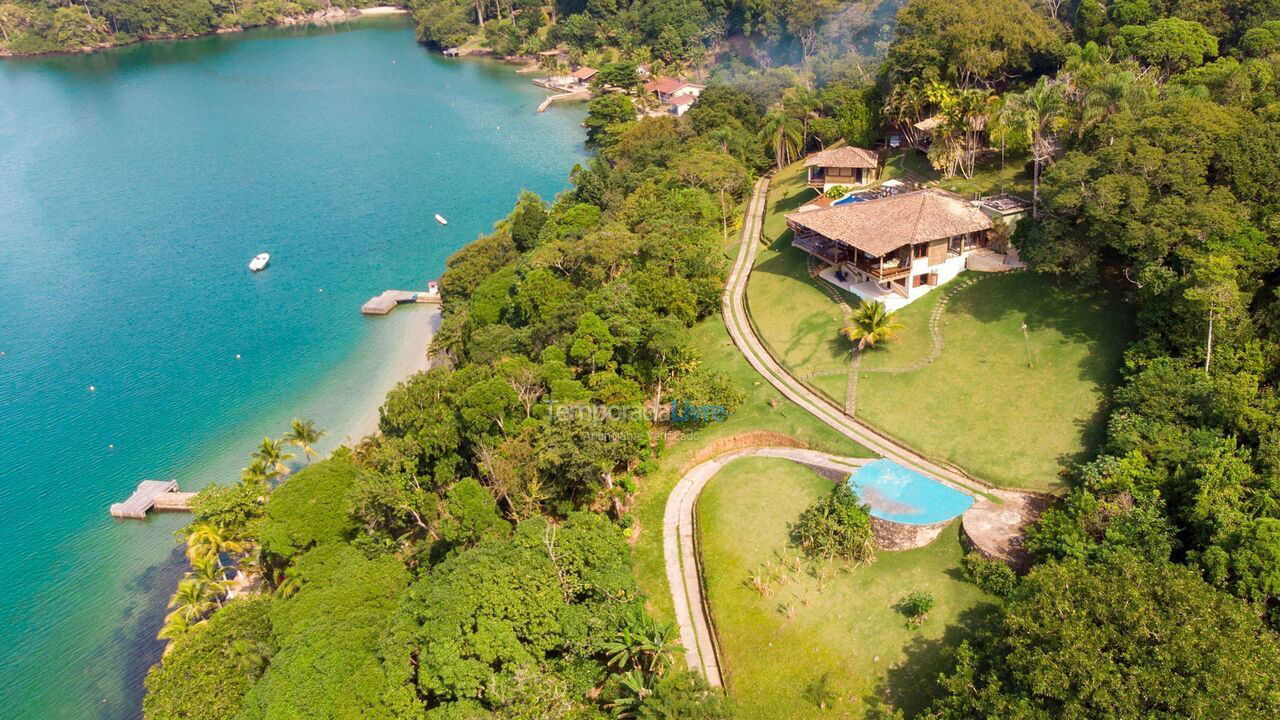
(898, 536)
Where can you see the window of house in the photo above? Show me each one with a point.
(921, 250)
(919, 280)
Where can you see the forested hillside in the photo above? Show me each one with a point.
(36, 26)
(471, 561)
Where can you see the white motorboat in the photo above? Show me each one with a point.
(259, 262)
(440, 219)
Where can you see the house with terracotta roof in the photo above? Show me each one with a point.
(842, 166)
(893, 249)
(670, 91)
(584, 74)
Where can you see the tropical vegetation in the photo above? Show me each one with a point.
(471, 560)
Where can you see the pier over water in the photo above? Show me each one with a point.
(152, 494)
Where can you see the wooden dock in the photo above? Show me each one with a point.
(389, 299)
(152, 494)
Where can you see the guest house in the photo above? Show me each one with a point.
(893, 249)
(842, 166)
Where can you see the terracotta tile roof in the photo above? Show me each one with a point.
(584, 73)
(844, 156)
(683, 100)
(668, 85)
(880, 226)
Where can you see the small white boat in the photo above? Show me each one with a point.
(259, 262)
(440, 219)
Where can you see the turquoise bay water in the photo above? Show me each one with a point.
(902, 495)
(135, 185)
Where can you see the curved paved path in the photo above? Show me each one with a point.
(743, 334)
(994, 522)
(679, 538)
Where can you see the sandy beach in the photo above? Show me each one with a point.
(409, 357)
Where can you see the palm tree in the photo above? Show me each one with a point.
(633, 690)
(175, 626)
(250, 657)
(801, 103)
(272, 455)
(205, 540)
(192, 600)
(905, 107)
(1040, 112)
(303, 435)
(258, 472)
(784, 135)
(645, 645)
(871, 324)
(1113, 94)
(210, 572)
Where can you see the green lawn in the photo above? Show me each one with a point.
(980, 405)
(793, 316)
(849, 631)
(764, 409)
(988, 178)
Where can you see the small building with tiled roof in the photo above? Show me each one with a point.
(893, 249)
(584, 74)
(680, 104)
(667, 88)
(843, 166)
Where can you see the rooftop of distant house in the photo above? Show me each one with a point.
(584, 73)
(844, 156)
(880, 226)
(683, 100)
(668, 85)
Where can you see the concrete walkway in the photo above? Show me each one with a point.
(679, 546)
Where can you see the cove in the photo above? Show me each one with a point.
(135, 185)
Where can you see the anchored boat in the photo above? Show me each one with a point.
(440, 219)
(259, 262)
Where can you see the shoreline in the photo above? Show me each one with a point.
(410, 357)
(331, 16)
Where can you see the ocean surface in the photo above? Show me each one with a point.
(135, 186)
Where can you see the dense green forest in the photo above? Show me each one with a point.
(37, 26)
(471, 561)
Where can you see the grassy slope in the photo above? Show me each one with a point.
(757, 413)
(792, 314)
(979, 405)
(986, 180)
(848, 631)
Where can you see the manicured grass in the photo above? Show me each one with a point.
(988, 179)
(793, 316)
(980, 405)
(848, 631)
(764, 409)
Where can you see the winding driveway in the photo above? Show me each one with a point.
(684, 575)
(743, 333)
(994, 522)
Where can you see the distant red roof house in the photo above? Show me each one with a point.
(672, 86)
(584, 73)
(677, 93)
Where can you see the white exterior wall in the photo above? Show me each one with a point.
(947, 271)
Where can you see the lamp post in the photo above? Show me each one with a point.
(1026, 340)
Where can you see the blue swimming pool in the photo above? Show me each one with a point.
(849, 199)
(902, 495)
